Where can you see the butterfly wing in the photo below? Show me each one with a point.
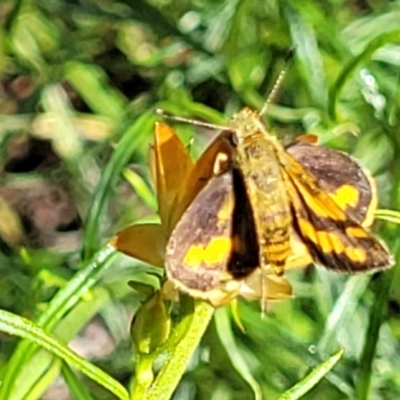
(333, 236)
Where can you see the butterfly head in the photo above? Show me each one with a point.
(246, 123)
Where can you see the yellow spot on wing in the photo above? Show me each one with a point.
(356, 254)
(217, 250)
(214, 252)
(357, 231)
(308, 230)
(324, 241)
(194, 256)
(346, 196)
(331, 241)
(337, 244)
(318, 205)
(328, 241)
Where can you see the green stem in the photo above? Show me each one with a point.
(179, 356)
(143, 378)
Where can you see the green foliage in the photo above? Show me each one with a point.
(86, 76)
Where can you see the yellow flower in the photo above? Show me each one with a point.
(178, 180)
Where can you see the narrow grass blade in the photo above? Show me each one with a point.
(90, 82)
(378, 315)
(75, 386)
(224, 329)
(354, 63)
(304, 386)
(141, 188)
(308, 55)
(110, 176)
(343, 310)
(388, 215)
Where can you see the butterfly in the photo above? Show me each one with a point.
(267, 208)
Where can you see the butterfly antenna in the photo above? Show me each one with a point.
(274, 91)
(171, 117)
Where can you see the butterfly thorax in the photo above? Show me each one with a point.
(257, 156)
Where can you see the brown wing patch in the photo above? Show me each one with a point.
(333, 237)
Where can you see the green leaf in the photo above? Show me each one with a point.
(75, 386)
(151, 325)
(141, 188)
(343, 310)
(354, 63)
(18, 326)
(62, 304)
(308, 56)
(91, 83)
(388, 215)
(246, 70)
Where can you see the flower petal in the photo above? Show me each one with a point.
(172, 164)
(146, 242)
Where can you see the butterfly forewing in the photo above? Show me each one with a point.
(200, 244)
(214, 244)
(333, 237)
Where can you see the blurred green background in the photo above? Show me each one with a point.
(80, 77)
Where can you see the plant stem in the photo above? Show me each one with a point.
(179, 356)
